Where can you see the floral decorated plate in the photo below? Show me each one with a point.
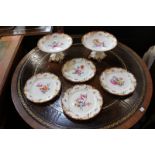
(78, 70)
(99, 41)
(54, 43)
(42, 87)
(82, 102)
(118, 81)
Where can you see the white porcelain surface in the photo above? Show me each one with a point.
(78, 70)
(54, 43)
(42, 87)
(82, 102)
(99, 41)
(118, 81)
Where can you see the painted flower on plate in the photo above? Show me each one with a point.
(117, 81)
(82, 102)
(79, 70)
(98, 43)
(55, 44)
(43, 88)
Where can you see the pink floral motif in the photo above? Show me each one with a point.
(98, 43)
(55, 44)
(81, 101)
(117, 81)
(43, 88)
(79, 70)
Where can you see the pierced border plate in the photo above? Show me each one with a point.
(118, 81)
(42, 87)
(78, 70)
(54, 43)
(82, 102)
(99, 41)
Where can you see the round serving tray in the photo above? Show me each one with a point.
(117, 112)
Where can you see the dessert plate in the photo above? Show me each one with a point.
(54, 43)
(42, 87)
(99, 41)
(78, 70)
(118, 81)
(82, 102)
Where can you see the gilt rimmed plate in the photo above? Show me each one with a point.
(54, 43)
(42, 87)
(118, 81)
(82, 102)
(99, 41)
(78, 70)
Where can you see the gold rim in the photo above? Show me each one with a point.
(82, 39)
(81, 80)
(52, 97)
(113, 92)
(80, 118)
(52, 35)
